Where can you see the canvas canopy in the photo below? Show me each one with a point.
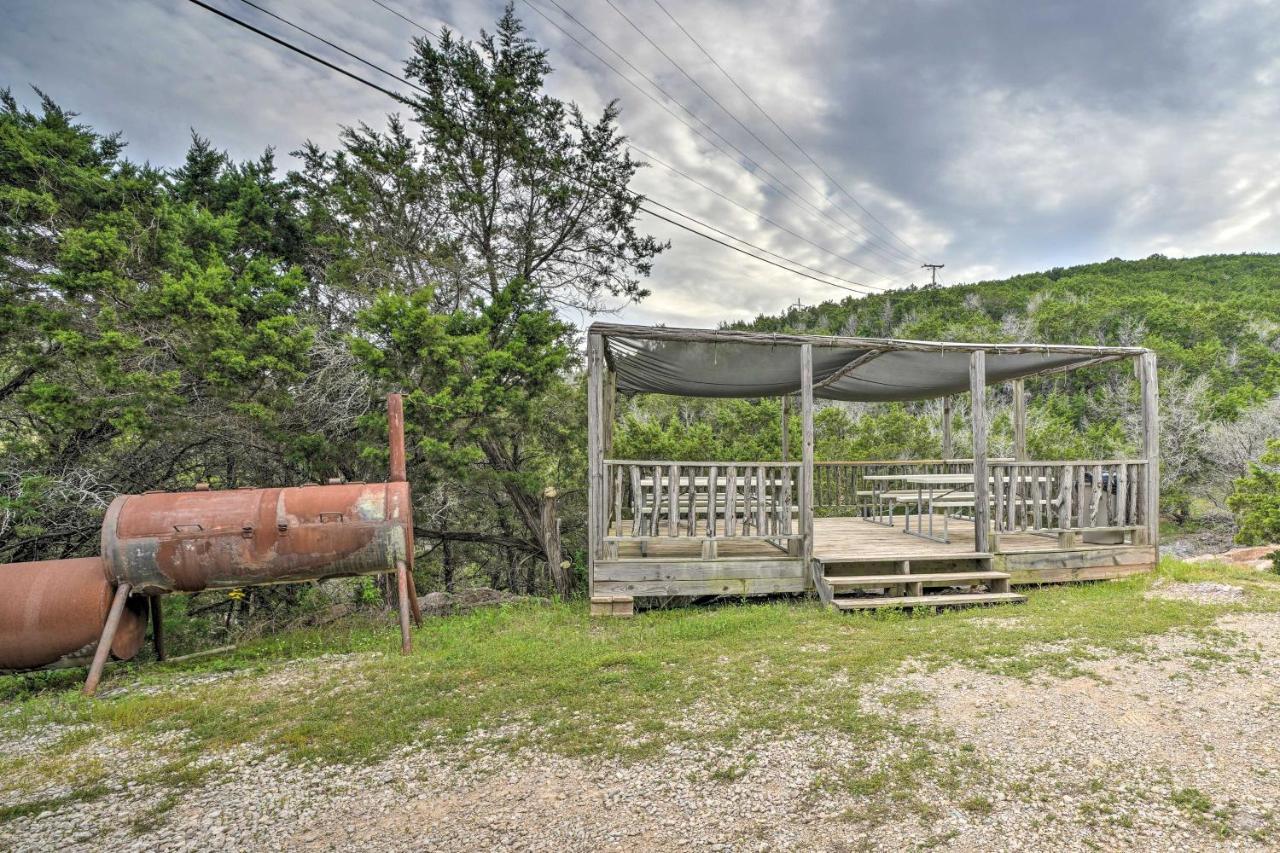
(707, 363)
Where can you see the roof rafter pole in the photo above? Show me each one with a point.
(664, 333)
(850, 367)
(595, 454)
(1093, 362)
(981, 487)
(806, 456)
(1146, 368)
(946, 428)
(1019, 420)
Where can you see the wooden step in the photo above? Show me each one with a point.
(872, 602)
(927, 578)
(934, 557)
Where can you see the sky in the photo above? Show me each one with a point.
(992, 137)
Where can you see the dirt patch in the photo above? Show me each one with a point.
(1202, 592)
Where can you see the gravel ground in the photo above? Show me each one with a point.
(1172, 747)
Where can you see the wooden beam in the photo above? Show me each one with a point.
(595, 455)
(850, 367)
(806, 455)
(1019, 420)
(1093, 362)
(669, 333)
(981, 488)
(1146, 366)
(946, 427)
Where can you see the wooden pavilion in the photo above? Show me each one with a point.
(860, 534)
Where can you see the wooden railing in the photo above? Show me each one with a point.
(1057, 497)
(652, 500)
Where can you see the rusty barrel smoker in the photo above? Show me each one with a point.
(162, 542)
(52, 613)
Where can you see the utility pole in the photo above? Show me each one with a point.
(933, 271)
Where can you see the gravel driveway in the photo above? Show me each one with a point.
(1173, 746)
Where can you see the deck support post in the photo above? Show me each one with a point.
(981, 486)
(947, 451)
(806, 455)
(1019, 421)
(595, 455)
(1146, 366)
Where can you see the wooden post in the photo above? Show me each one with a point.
(595, 454)
(947, 450)
(806, 455)
(1019, 421)
(1150, 443)
(981, 488)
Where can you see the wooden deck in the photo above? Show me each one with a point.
(674, 566)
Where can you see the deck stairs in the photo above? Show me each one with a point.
(862, 582)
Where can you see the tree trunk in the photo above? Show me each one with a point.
(539, 515)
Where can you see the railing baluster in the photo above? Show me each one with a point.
(731, 502)
(673, 499)
(617, 499)
(760, 495)
(1067, 483)
(713, 499)
(997, 477)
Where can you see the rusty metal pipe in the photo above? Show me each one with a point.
(104, 644)
(157, 627)
(52, 613)
(402, 582)
(395, 438)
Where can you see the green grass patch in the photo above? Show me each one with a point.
(548, 676)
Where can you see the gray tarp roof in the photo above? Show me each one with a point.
(716, 363)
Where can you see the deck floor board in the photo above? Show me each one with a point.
(852, 538)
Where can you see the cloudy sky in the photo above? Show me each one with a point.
(994, 137)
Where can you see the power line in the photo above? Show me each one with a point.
(869, 234)
(743, 207)
(404, 18)
(776, 183)
(866, 287)
(308, 54)
(641, 206)
(743, 251)
(781, 130)
(338, 48)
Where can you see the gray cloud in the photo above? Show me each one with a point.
(996, 137)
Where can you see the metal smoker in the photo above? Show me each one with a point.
(58, 613)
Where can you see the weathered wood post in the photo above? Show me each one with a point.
(947, 451)
(806, 455)
(1146, 366)
(981, 487)
(1019, 421)
(595, 455)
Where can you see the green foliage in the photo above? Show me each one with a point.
(129, 316)
(1256, 499)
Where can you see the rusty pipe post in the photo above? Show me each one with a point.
(157, 627)
(395, 437)
(398, 474)
(402, 583)
(104, 642)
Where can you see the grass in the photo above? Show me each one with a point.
(546, 676)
